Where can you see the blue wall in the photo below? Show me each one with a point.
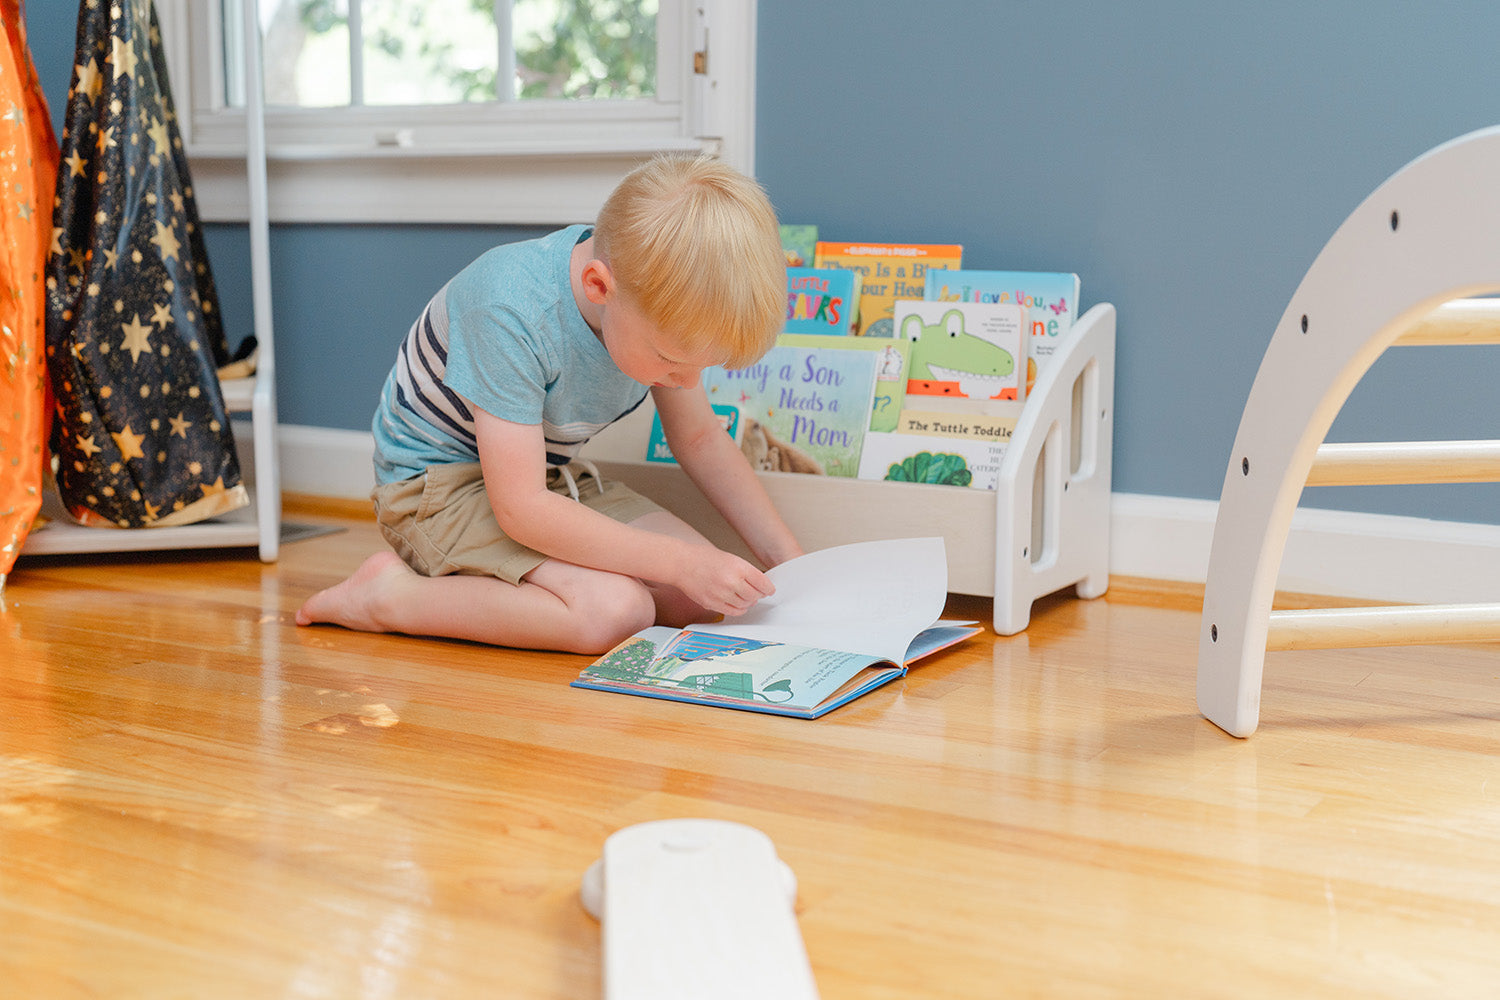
(1188, 160)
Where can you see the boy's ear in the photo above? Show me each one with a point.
(598, 282)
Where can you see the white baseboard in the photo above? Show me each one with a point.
(326, 461)
(1377, 557)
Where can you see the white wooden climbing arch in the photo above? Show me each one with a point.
(1426, 237)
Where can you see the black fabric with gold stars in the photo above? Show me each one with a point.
(134, 337)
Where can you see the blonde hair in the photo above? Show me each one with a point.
(694, 243)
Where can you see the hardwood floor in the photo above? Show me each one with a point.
(198, 798)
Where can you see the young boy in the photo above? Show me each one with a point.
(513, 365)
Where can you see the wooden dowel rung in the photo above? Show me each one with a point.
(1403, 625)
(1462, 321)
(1386, 463)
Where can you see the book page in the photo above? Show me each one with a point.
(870, 598)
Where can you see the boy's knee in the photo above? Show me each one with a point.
(614, 612)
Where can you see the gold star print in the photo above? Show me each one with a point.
(137, 337)
(56, 246)
(110, 256)
(151, 509)
(75, 164)
(161, 314)
(180, 425)
(89, 79)
(87, 446)
(217, 487)
(129, 443)
(158, 134)
(105, 139)
(167, 240)
(123, 57)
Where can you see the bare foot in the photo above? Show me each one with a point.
(357, 602)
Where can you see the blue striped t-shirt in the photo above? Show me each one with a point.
(504, 335)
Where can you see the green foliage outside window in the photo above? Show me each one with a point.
(565, 49)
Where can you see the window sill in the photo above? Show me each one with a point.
(399, 150)
(545, 182)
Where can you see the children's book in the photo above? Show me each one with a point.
(932, 459)
(891, 271)
(802, 409)
(799, 242)
(992, 428)
(1051, 301)
(843, 622)
(973, 350)
(893, 361)
(822, 300)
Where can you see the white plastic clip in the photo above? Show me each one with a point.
(697, 909)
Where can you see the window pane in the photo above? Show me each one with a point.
(426, 52)
(429, 51)
(585, 49)
(306, 51)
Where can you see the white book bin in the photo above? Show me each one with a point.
(1045, 527)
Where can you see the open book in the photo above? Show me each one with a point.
(843, 621)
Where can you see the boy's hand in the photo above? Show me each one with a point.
(722, 582)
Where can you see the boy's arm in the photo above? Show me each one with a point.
(717, 467)
(513, 458)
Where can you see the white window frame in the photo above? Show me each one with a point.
(520, 162)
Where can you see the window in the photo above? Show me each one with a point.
(457, 110)
(331, 53)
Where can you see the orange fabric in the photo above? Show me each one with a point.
(28, 177)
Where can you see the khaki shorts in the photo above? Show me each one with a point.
(441, 522)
